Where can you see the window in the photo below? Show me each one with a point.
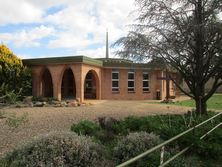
(146, 87)
(115, 81)
(88, 82)
(131, 77)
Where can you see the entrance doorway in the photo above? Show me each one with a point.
(68, 88)
(90, 85)
(47, 86)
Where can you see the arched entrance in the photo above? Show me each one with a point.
(91, 84)
(68, 88)
(47, 86)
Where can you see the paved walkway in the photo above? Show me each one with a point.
(47, 119)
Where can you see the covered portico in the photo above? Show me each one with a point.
(76, 77)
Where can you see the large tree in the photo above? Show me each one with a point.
(14, 76)
(187, 35)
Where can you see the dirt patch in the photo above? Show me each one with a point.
(43, 120)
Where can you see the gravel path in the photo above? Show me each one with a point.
(47, 119)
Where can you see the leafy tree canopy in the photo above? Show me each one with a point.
(187, 35)
(13, 75)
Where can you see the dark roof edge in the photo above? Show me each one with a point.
(62, 60)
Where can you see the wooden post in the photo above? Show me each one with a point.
(162, 155)
(167, 78)
(167, 86)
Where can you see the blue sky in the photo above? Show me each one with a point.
(49, 28)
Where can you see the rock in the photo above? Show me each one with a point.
(63, 104)
(27, 100)
(30, 104)
(73, 104)
(44, 103)
(39, 104)
(57, 105)
(55, 102)
(82, 104)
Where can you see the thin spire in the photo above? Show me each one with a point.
(107, 44)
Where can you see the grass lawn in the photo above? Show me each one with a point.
(215, 102)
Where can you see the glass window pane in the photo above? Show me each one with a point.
(145, 84)
(115, 75)
(130, 75)
(89, 75)
(145, 76)
(115, 84)
(130, 83)
(145, 89)
(88, 84)
(115, 89)
(130, 89)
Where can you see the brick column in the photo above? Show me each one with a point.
(99, 86)
(56, 79)
(36, 81)
(79, 80)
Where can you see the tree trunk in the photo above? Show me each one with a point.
(201, 106)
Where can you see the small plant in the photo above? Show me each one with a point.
(134, 144)
(107, 123)
(2, 114)
(14, 121)
(85, 127)
(58, 149)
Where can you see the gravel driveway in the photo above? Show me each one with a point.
(47, 119)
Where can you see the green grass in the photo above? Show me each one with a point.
(215, 102)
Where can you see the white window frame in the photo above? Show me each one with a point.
(132, 80)
(115, 89)
(146, 80)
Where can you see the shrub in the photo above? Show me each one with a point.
(13, 73)
(85, 127)
(107, 123)
(134, 144)
(14, 121)
(135, 123)
(211, 146)
(58, 149)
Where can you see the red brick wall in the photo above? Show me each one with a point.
(123, 93)
(103, 82)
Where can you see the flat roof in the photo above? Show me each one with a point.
(62, 60)
(101, 62)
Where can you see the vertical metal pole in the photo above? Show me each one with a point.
(162, 155)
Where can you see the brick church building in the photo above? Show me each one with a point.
(87, 78)
(105, 78)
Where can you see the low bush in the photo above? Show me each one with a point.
(210, 146)
(85, 127)
(14, 121)
(110, 131)
(60, 149)
(134, 144)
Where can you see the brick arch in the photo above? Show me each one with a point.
(46, 82)
(96, 86)
(61, 79)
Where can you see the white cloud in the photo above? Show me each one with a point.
(27, 38)
(80, 19)
(78, 25)
(19, 11)
(96, 53)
